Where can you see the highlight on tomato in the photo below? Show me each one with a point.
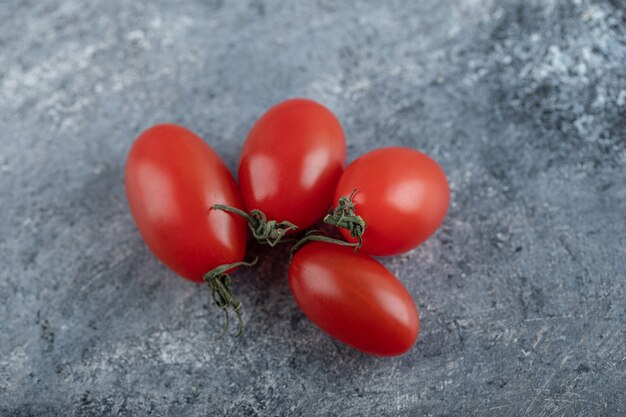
(390, 200)
(290, 164)
(173, 178)
(354, 298)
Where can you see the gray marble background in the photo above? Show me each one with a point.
(521, 291)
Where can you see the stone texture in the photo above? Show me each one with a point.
(521, 291)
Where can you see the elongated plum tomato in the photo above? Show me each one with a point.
(172, 179)
(402, 195)
(354, 298)
(291, 162)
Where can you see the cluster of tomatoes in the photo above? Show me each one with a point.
(195, 218)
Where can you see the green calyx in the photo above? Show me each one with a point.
(219, 283)
(265, 232)
(344, 216)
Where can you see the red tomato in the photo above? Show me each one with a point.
(291, 162)
(172, 179)
(354, 298)
(402, 195)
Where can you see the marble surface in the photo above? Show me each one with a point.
(521, 291)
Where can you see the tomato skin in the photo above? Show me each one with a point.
(291, 162)
(354, 298)
(402, 194)
(172, 179)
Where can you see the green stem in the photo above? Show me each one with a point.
(219, 283)
(265, 232)
(344, 216)
(317, 236)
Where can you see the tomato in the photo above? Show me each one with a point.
(401, 194)
(354, 298)
(172, 179)
(291, 162)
